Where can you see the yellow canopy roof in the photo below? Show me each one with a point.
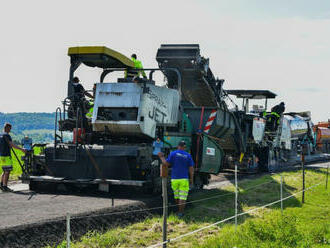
(100, 56)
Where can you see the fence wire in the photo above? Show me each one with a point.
(171, 205)
(175, 205)
(273, 180)
(232, 217)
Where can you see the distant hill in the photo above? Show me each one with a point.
(27, 121)
(38, 126)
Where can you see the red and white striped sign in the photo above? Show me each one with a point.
(210, 121)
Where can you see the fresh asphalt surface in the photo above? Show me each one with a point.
(27, 207)
(23, 206)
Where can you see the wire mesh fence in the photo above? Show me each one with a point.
(280, 194)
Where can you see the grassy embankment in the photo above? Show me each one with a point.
(306, 225)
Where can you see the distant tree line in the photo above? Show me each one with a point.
(28, 121)
(38, 126)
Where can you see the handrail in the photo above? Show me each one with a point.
(152, 70)
(76, 138)
(58, 110)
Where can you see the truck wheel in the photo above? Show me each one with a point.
(198, 182)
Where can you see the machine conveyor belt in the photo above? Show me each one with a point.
(196, 76)
(197, 90)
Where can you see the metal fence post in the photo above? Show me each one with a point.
(236, 197)
(303, 176)
(281, 194)
(68, 232)
(112, 202)
(163, 175)
(326, 182)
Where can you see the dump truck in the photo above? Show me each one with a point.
(322, 136)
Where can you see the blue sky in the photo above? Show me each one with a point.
(278, 45)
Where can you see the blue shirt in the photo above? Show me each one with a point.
(157, 147)
(27, 143)
(180, 162)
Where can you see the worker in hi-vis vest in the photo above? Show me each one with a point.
(137, 65)
(276, 113)
(89, 114)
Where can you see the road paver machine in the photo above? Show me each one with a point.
(113, 133)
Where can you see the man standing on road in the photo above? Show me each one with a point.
(5, 157)
(182, 167)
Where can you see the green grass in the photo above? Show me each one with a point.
(17, 170)
(304, 225)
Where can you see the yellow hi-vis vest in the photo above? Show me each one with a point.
(137, 65)
(89, 114)
(277, 116)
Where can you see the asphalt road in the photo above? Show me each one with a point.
(23, 206)
(27, 207)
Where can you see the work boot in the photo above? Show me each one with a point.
(1, 187)
(7, 189)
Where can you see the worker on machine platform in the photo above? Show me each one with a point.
(158, 146)
(276, 113)
(79, 91)
(89, 114)
(137, 65)
(182, 169)
(78, 100)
